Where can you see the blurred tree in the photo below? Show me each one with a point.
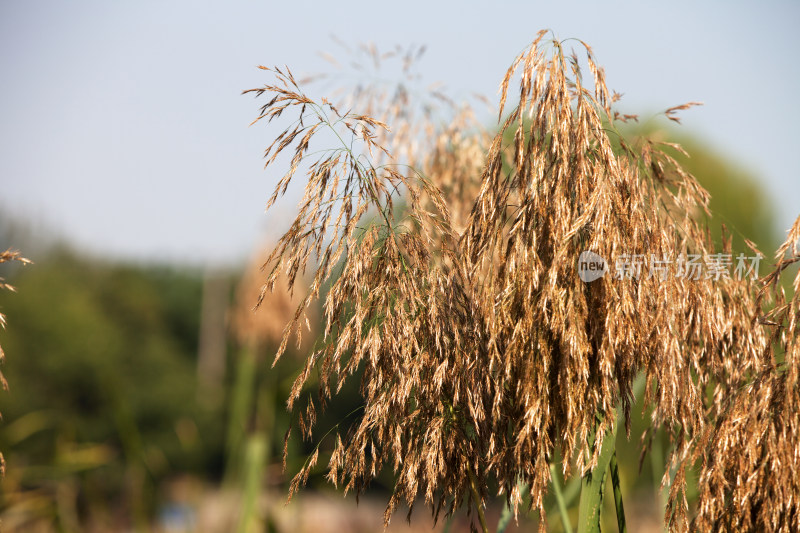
(104, 360)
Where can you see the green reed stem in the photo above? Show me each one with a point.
(617, 494)
(592, 486)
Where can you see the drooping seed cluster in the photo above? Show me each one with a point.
(750, 457)
(5, 257)
(454, 288)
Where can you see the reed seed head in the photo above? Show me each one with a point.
(454, 287)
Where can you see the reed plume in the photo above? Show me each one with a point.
(5, 257)
(454, 287)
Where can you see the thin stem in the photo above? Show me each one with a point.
(240, 405)
(255, 459)
(617, 494)
(562, 504)
(476, 497)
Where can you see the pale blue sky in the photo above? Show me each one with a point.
(123, 127)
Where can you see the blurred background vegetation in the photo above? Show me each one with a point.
(142, 395)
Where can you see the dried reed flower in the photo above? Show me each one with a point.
(6, 256)
(405, 104)
(751, 455)
(482, 350)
